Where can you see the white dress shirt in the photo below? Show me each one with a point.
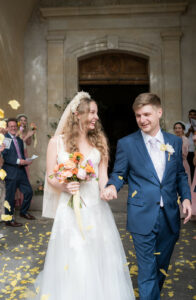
(157, 156)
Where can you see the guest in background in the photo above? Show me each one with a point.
(14, 165)
(179, 129)
(189, 134)
(2, 188)
(26, 135)
(193, 186)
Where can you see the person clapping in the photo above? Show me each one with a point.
(14, 165)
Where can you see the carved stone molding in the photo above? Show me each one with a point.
(133, 9)
(171, 35)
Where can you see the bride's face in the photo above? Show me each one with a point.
(88, 121)
(92, 116)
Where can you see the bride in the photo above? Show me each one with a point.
(76, 268)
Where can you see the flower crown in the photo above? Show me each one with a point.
(76, 100)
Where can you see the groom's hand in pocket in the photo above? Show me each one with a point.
(109, 193)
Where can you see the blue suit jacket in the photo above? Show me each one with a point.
(134, 164)
(10, 157)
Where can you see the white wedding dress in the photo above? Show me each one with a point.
(94, 268)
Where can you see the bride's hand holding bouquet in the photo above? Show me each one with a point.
(70, 174)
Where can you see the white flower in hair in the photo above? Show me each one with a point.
(76, 100)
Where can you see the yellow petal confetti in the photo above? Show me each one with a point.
(133, 194)
(133, 270)
(194, 297)
(26, 226)
(170, 294)
(3, 124)
(190, 287)
(66, 267)
(37, 290)
(120, 177)
(178, 200)
(7, 205)
(1, 138)
(14, 282)
(1, 113)
(163, 272)
(157, 253)
(3, 174)
(14, 104)
(6, 218)
(136, 293)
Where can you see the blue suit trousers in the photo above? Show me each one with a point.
(161, 240)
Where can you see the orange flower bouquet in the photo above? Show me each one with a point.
(75, 169)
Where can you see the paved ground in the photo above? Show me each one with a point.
(22, 254)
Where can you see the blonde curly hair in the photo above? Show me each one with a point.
(95, 137)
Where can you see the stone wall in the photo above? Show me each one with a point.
(56, 40)
(13, 19)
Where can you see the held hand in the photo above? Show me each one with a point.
(109, 193)
(71, 187)
(186, 204)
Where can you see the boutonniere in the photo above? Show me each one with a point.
(167, 148)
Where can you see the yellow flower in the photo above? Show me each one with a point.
(14, 104)
(1, 113)
(3, 123)
(3, 174)
(1, 138)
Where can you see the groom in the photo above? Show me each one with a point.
(151, 161)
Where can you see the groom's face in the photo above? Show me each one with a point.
(148, 117)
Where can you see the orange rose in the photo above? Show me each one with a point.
(69, 164)
(66, 174)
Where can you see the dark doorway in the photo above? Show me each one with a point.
(115, 112)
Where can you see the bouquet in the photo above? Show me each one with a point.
(75, 169)
(34, 128)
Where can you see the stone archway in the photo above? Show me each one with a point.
(114, 79)
(147, 50)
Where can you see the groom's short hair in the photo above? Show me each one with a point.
(146, 99)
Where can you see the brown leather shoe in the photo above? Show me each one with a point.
(27, 216)
(13, 224)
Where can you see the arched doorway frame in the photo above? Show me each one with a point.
(110, 43)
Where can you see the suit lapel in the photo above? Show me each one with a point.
(166, 141)
(141, 147)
